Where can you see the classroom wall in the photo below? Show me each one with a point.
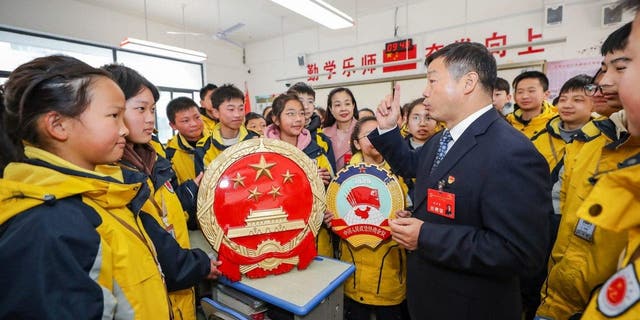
(82, 21)
(427, 22)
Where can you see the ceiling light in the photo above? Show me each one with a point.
(318, 11)
(162, 50)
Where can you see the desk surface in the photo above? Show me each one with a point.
(298, 291)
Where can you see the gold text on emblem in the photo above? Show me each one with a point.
(265, 221)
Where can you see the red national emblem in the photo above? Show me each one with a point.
(260, 207)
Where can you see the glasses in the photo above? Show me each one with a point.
(293, 114)
(418, 118)
(365, 135)
(591, 89)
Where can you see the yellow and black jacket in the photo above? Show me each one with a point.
(187, 161)
(534, 126)
(166, 205)
(584, 255)
(217, 146)
(73, 245)
(209, 123)
(613, 205)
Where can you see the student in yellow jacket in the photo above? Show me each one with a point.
(228, 107)
(379, 284)
(73, 244)
(583, 254)
(187, 148)
(571, 124)
(208, 119)
(574, 111)
(167, 198)
(288, 126)
(532, 111)
(618, 297)
(613, 204)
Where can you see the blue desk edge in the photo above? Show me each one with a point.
(296, 309)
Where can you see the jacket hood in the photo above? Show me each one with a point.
(620, 120)
(45, 178)
(304, 139)
(548, 111)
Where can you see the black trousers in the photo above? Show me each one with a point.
(357, 311)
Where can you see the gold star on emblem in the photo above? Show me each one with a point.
(262, 168)
(254, 194)
(238, 180)
(275, 191)
(288, 177)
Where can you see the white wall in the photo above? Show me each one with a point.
(86, 22)
(428, 22)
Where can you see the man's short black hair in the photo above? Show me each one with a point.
(179, 104)
(463, 57)
(617, 40)
(224, 93)
(207, 88)
(302, 88)
(502, 85)
(533, 74)
(576, 83)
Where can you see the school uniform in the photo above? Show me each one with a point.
(72, 244)
(187, 158)
(218, 145)
(165, 204)
(532, 127)
(618, 297)
(584, 255)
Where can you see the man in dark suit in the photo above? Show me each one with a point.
(483, 195)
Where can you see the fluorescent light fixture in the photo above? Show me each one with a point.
(162, 50)
(318, 11)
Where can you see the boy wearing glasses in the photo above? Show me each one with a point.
(584, 255)
(574, 111)
(533, 111)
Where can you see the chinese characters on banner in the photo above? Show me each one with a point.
(394, 52)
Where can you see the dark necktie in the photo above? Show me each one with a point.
(442, 149)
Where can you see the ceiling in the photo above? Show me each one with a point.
(263, 19)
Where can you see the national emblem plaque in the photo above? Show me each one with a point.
(362, 198)
(260, 206)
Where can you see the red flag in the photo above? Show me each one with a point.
(247, 99)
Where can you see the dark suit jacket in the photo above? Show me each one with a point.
(468, 267)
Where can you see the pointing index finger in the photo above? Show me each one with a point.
(396, 95)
